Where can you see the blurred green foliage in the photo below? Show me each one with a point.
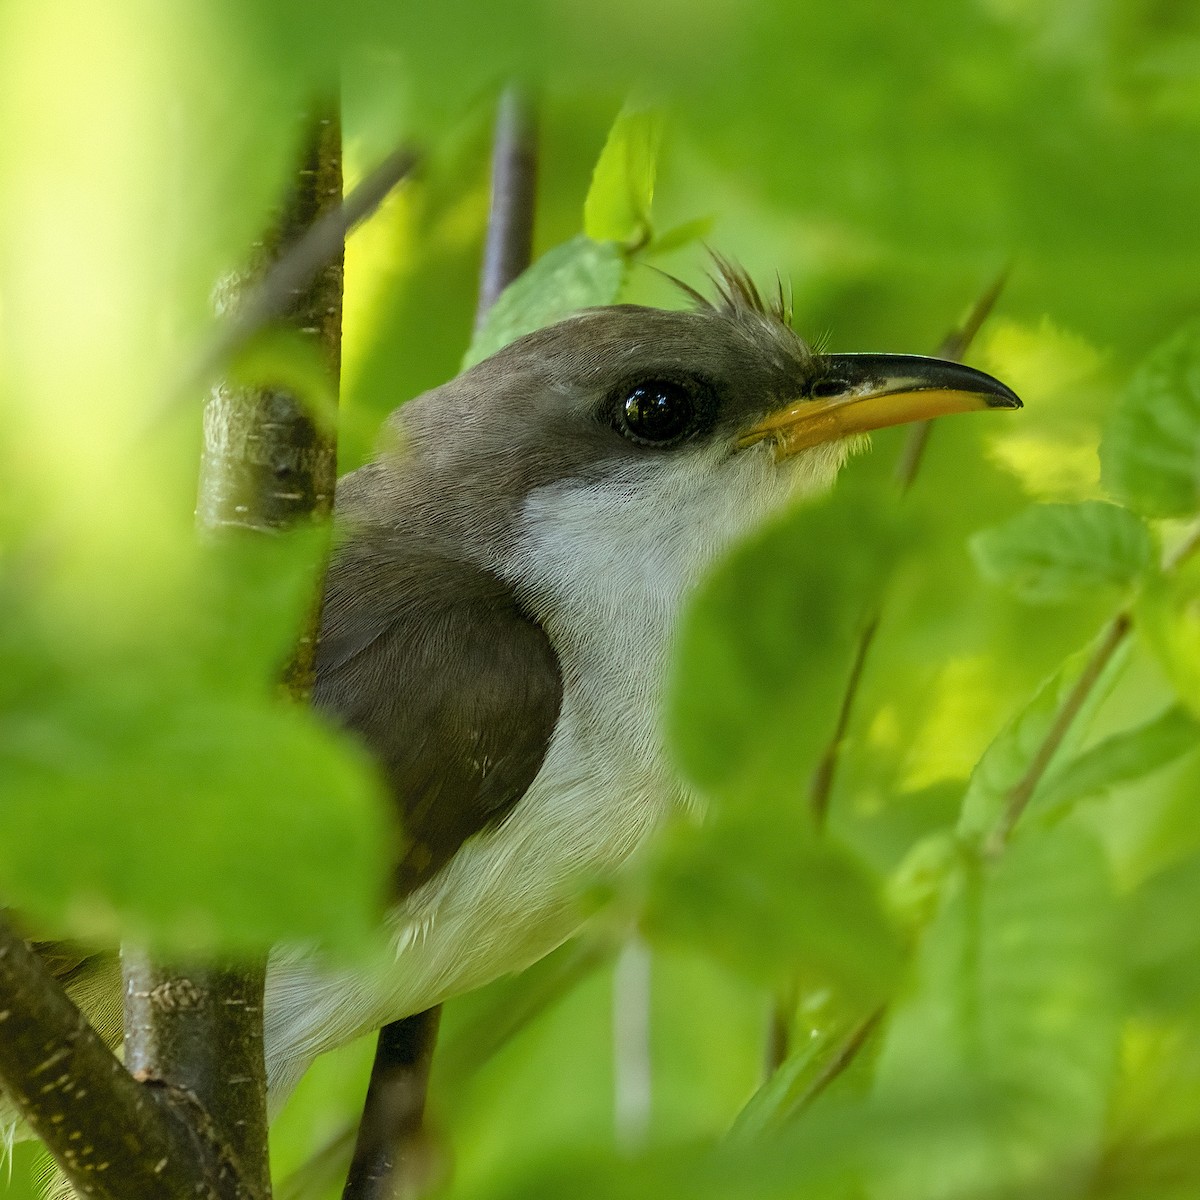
(1040, 1008)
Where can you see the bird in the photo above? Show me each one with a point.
(500, 605)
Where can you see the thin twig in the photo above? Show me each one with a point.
(1019, 796)
(508, 248)
(954, 347)
(632, 1069)
(293, 273)
(822, 781)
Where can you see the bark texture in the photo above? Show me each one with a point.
(267, 464)
(112, 1136)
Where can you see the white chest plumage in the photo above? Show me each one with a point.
(607, 583)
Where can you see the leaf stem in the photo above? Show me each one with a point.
(1018, 797)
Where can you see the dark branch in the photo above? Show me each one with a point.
(199, 1032)
(515, 1004)
(112, 1137)
(391, 1154)
(266, 465)
(822, 783)
(508, 247)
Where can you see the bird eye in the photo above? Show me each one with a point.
(657, 411)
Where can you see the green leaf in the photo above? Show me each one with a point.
(617, 207)
(1011, 1024)
(1056, 552)
(581, 273)
(1150, 453)
(1161, 937)
(1122, 758)
(1168, 620)
(157, 787)
(765, 648)
(812, 906)
(798, 1081)
(1006, 760)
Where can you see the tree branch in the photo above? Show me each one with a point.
(265, 466)
(391, 1153)
(508, 247)
(198, 1030)
(307, 257)
(112, 1136)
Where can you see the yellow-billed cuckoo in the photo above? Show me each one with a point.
(499, 612)
(500, 608)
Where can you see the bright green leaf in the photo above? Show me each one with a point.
(1150, 454)
(617, 207)
(1055, 552)
(1011, 1022)
(157, 786)
(581, 273)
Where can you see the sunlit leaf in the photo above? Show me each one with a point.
(1151, 450)
(578, 274)
(617, 208)
(1056, 552)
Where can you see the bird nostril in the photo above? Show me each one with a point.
(824, 388)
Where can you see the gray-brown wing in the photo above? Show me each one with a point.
(452, 688)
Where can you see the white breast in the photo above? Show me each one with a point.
(605, 567)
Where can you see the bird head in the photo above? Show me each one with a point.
(627, 446)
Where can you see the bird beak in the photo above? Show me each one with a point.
(856, 393)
